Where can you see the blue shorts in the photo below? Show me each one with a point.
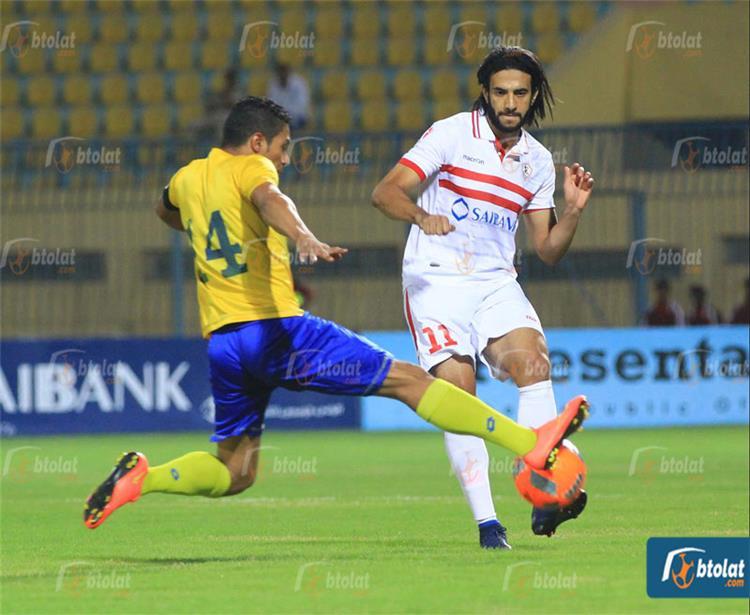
(249, 360)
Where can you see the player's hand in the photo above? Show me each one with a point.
(435, 225)
(310, 250)
(577, 186)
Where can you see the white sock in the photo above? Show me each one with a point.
(536, 404)
(470, 462)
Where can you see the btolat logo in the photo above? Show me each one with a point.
(683, 566)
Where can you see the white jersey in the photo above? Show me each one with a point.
(468, 177)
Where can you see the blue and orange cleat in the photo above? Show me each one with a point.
(552, 433)
(544, 521)
(123, 485)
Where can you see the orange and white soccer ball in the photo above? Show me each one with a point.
(558, 486)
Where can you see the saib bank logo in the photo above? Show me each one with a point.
(697, 567)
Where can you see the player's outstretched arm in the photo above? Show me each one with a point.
(280, 213)
(551, 237)
(391, 196)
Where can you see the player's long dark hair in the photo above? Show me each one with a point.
(250, 115)
(518, 58)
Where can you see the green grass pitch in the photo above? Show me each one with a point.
(352, 522)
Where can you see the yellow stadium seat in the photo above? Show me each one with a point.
(187, 87)
(113, 29)
(327, 53)
(445, 107)
(407, 85)
(156, 121)
(142, 57)
(184, 26)
(581, 16)
(110, 6)
(80, 24)
(215, 55)
(83, 122)
(114, 89)
(371, 86)
(545, 17)
(35, 61)
(150, 88)
(335, 85)
(34, 8)
(337, 117)
(10, 91)
(220, 25)
(509, 19)
(150, 29)
(46, 123)
(178, 56)
(444, 84)
(549, 47)
(41, 91)
(365, 21)
(472, 85)
(119, 121)
(69, 62)
(400, 52)
(435, 51)
(293, 20)
(375, 116)
(12, 122)
(104, 58)
(410, 115)
(365, 52)
(77, 90)
(401, 20)
(329, 23)
(187, 115)
(73, 6)
(293, 57)
(176, 6)
(437, 20)
(257, 84)
(473, 11)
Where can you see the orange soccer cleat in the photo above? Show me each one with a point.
(123, 485)
(552, 433)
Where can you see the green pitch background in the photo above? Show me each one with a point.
(351, 522)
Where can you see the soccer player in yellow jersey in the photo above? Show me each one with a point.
(238, 222)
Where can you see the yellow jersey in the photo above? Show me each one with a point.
(242, 265)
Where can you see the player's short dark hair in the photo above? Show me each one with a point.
(250, 115)
(518, 58)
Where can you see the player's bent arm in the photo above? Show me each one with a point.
(170, 217)
(551, 237)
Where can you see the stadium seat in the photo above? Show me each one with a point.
(374, 116)
(36, 8)
(329, 24)
(257, 83)
(400, 52)
(407, 85)
(10, 91)
(77, 90)
(509, 19)
(327, 53)
(187, 115)
(365, 21)
(156, 121)
(178, 56)
(401, 21)
(110, 6)
(334, 85)
(545, 17)
(113, 29)
(73, 6)
(149, 29)
(435, 52)
(473, 11)
(365, 52)
(410, 115)
(581, 16)
(83, 122)
(471, 85)
(41, 91)
(114, 89)
(215, 55)
(220, 25)
(187, 87)
(104, 58)
(12, 123)
(371, 85)
(150, 88)
(337, 117)
(119, 121)
(437, 20)
(184, 26)
(35, 61)
(80, 23)
(142, 56)
(292, 57)
(445, 107)
(444, 84)
(293, 19)
(549, 47)
(46, 123)
(67, 63)
(145, 6)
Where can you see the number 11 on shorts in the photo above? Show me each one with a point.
(434, 344)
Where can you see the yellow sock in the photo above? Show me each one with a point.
(198, 473)
(452, 409)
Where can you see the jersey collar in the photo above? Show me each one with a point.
(480, 128)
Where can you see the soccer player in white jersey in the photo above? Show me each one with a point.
(476, 175)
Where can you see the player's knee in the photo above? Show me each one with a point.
(535, 367)
(240, 482)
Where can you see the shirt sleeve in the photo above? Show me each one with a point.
(428, 154)
(544, 197)
(258, 170)
(171, 195)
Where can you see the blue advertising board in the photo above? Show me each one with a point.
(645, 377)
(130, 385)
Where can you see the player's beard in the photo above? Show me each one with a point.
(505, 130)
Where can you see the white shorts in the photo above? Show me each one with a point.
(448, 317)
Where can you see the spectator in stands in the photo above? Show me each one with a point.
(665, 312)
(741, 315)
(217, 107)
(702, 312)
(291, 92)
